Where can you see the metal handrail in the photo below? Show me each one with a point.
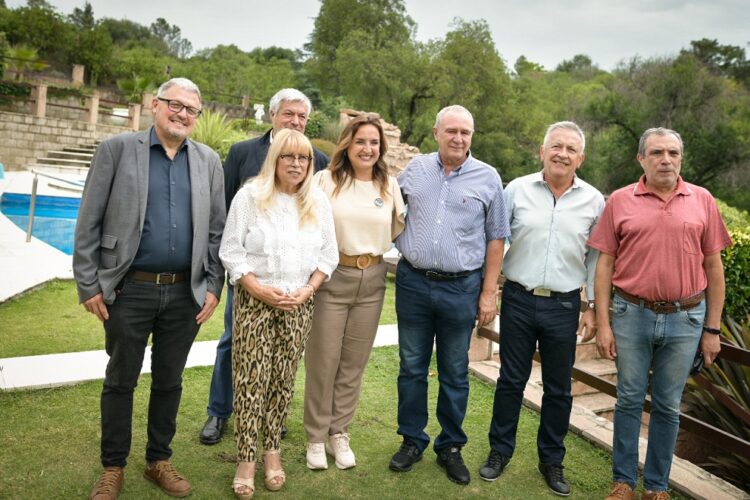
(32, 204)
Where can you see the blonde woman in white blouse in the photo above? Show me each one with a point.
(368, 212)
(279, 246)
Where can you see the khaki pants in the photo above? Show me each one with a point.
(345, 321)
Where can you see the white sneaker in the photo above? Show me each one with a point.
(338, 446)
(316, 456)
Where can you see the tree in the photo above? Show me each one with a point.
(384, 21)
(20, 59)
(83, 19)
(727, 60)
(172, 35)
(709, 111)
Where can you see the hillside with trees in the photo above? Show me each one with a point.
(365, 55)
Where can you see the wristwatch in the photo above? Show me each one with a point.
(591, 305)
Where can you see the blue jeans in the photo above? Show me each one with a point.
(526, 319)
(443, 313)
(220, 394)
(666, 344)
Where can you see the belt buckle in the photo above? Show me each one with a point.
(432, 275)
(542, 292)
(161, 277)
(366, 265)
(661, 306)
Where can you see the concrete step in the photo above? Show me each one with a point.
(600, 367)
(600, 403)
(60, 169)
(69, 149)
(70, 155)
(64, 161)
(586, 350)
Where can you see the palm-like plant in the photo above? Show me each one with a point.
(22, 58)
(134, 88)
(216, 131)
(733, 379)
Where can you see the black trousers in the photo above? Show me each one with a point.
(140, 309)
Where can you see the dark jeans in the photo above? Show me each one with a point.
(526, 319)
(443, 313)
(220, 394)
(167, 311)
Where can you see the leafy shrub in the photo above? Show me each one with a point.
(736, 272)
(216, 131)
(323, 145)
(734, 218)
(315, 123)
(248, 125)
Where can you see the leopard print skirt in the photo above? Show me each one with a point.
(267, 345)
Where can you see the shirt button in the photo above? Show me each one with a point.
(174, 225)
(438, 221)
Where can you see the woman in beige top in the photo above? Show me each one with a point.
(368, 213)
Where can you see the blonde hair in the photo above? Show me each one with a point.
(265, 184)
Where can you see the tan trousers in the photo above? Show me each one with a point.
(267, 345)
(345, 321)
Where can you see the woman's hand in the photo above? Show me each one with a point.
(274, 297)
(299, 296)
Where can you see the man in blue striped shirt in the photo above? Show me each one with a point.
(452, 251)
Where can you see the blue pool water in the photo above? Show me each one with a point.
(54, 217)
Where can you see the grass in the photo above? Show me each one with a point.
(50, 443)
(50, 320)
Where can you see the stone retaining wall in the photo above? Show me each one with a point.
(24, 138)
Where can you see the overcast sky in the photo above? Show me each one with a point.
(545, 31)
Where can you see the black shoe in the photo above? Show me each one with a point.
(553, 475)
(493, 466)
(213, 429)
(405, 457)
(450, 459)
(284, 431)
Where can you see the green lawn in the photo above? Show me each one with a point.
(50, 320)
(50, 447)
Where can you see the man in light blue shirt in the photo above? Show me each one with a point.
(452, 250)
(551, 214)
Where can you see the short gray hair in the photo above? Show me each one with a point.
(453, 108)
(658, 131)
(292, 95)
(183, 83)
(566, 125)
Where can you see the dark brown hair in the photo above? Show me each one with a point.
(340, 166)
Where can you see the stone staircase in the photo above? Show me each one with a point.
(68, 160)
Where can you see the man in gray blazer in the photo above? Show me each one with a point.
(146, 261)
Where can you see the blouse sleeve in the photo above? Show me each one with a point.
(399, 209)
(329, 251)
(232, 251)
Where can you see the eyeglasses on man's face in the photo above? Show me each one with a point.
(176, 106)
(289, 158)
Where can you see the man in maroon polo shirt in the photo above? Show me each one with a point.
(660, 241)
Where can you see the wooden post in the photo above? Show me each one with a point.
(134, 116)
(39, 97)
(92, 105)
(245, 102)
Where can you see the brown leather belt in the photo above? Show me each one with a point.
(663, 307)
(359, 261)
(157, 278)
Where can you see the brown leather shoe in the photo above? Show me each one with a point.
(166, 477)
(621, 491)
(655, 495)
(109, 484)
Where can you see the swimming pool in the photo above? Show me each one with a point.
(54, 217)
